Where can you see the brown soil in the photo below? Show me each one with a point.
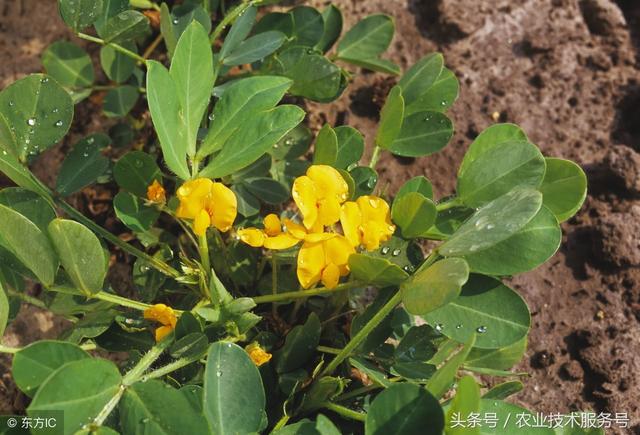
(567, 72)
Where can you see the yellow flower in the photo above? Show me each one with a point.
(156, 193)
(209, 204)
(367, 221)
(318, 195)
(271, 237)
(257, 354)
(274, 236)
(325, 260)
(163, 315)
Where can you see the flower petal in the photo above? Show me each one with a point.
(329, 183)
(304, 195)
(337, 250)
(281, 241)
(223, 206)
(296, 230)
(330, 276)
(193, 196)
(351, 219)
(201, 223)
(328, 211)
(162, 332)
(252, 237)
(310, 264)
(272, 225)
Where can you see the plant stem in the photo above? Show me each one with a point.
(345, 412)
(171, 367)
(362, 334)
(281, 423)
(116, 47)
(357, 392)
(229, 18)
(27, 298)
(330, 350)
(203, 249)
(451, 203)
(132, 377)
(122, 301)
(154, 262)
(152, 46)
(301, 294)
(274, 282)
(375, 157)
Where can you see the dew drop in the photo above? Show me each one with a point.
(31, 121)
(44, 80)
(58, 123)
(371, 183)
(144, 420)
(458, 326)
(276, 146)
(288, 142)
(385, 250)
(481, 329)
(212, 117)
(11, 104)
(443, 102)
(175, 21)
(56, 110)
(408, 268)
(373, 203)
(396, 252)
(439, 327)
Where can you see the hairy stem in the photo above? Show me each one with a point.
(203, 249)
(375, 157)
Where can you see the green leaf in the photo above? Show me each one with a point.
(29, 204)
(422, 133)
(255, 48)
(117, 66)
(434, 287)
(380, 65)
(492, 136)
(33, 364)
(243, 100)
(239, 31)
(383, 330)
(83, 165)
(417, 345)
(125, 26)
(192, 346)
(419, 184)
(132, 211)
(535, 243)
(365, 180)
(439, 96)
(332, 17)
(406, 409)
(280, 21)
(7, 138)
(442, 379)
(19, 174)
(375, 271)
(314, 76)
(308, 26)
(80, 389)
(414, 214)
(164, 104)
(368, 39)
(323, 426)
(110, 8)
(260, 132)
(119, 101)
(391, 117)
(69, 64)
(234, 398)
(267, 190)
(29, 244)
(494, 222)
(248, 204)
(80, 253)
(192, 72)
(503, 358)
(350, 146)
(503, 390)
(486, 178)
(79, 14)
(39, 110)
(295, 144)
(135, 172)
(485, 307)
(326, 147)
(420, 78)
(465, 402)
(299, 346)
(564, 188)
(154, 407)
(4, 311)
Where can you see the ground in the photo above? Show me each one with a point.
(564, 70)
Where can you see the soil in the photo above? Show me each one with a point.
(567, 71)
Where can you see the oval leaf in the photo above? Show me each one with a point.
(422, 133)
(83, 165)
(69, 64)
(136, 171)
(414, 214)
(369, 38)
(376, 271)
(485, 307)
(79, 14)
(564, 188)
(234, 398)
(434, 287)
(391, 117)
(80, 253)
